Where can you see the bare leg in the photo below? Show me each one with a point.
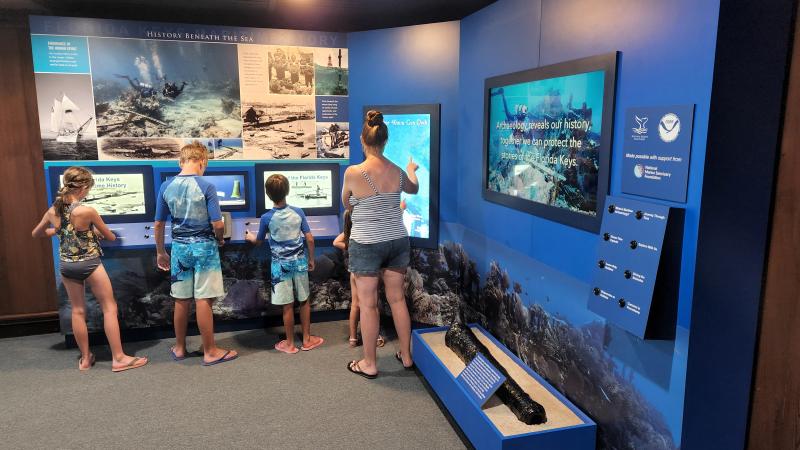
(103, 292)
(368, 302)
(205, 321)
(288, 325)
(305, 324)
(75, 292)
(180, 319)
(393, 280)
(354, 311)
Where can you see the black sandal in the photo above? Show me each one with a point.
(352, 366)
(400, 358)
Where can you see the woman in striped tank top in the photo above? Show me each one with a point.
(379, 247)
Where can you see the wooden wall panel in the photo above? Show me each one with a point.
(27, 281)
(775, 413)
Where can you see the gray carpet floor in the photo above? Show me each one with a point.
(265, 399)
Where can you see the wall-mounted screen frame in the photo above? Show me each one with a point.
(243, 190)
(410, 136)
(311, 192)
(132, 191)
(532, 160)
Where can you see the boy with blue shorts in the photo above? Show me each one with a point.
(287, 227)
(197, 232)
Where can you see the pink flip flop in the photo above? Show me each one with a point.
(312, 347)
(281, 347)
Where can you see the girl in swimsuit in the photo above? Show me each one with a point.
(79, 228)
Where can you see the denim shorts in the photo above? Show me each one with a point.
(370, 259)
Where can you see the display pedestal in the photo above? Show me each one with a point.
(494, 426)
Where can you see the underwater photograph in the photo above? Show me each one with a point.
(149, 88)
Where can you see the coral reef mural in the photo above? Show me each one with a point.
(444, 286)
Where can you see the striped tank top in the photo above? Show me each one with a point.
(377, 218)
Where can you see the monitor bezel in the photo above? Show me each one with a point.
(215, 172)
(263, 204)
(54, 172)
(434, 110)
(605, 62)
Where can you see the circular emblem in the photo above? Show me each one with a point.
(669, 127)
(638, 170)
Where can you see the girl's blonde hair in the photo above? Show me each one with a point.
(73, 181)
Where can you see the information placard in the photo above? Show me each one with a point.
(480, 379)
(658, 143)
(629, 254)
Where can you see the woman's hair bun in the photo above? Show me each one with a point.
(374, 118)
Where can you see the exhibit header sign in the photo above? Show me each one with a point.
(125, 90)
(658, 143)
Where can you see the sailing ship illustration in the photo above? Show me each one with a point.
(63, 121)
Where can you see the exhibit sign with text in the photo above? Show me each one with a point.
(480, 379)
(124, 90)
(657, 149)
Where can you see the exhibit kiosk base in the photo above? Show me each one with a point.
(494, 426)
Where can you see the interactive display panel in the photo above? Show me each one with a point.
(232, 187)
(414, 133)
(548, 139)
(312, 187)
(120, 193)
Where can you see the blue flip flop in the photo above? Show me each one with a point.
(220, 360)
(174, 356)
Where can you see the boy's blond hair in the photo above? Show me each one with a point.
(194, 152)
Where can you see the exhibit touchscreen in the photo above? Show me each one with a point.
(230, 189)
(120, 194)
(307, 188)
(544, 139)
(410, 137)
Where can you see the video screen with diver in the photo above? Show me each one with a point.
(548, 139)
(308, 189)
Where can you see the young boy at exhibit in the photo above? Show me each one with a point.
(341, 242)
(79, 228)
(197, 232)
(287, 228)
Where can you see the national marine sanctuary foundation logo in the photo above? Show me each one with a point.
(640, 130)
(669, 127)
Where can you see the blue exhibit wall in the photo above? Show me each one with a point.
(409, 65)
(667, 54)
(666, 57)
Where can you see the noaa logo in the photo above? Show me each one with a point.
(669, 127)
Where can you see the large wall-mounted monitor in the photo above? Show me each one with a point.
(233, 187)
(313, 187)
(547, 139)
(121, 194)
(414, 133)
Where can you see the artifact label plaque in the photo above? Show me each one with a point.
(480, 379)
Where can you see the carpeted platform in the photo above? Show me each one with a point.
(265, 399)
